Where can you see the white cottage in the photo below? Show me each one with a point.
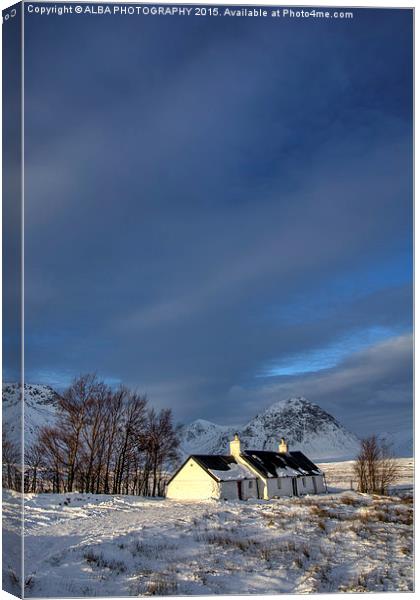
(246, 474)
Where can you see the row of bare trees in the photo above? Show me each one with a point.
(103, 441)
(375, 467)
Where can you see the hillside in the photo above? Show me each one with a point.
(40, 409)
(306, 427)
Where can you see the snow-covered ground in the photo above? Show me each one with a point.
(87, 545)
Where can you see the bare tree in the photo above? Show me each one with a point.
(53, 448)
(73, 408)
(34, 462)
(93, 434)
(11, 461)
(388, 468)
(105, 441)
(161, 445)
(375, 468)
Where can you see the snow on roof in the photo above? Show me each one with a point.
(268, 464)
(224, 468)
(234, 473)
(286, 472)
(276, 464)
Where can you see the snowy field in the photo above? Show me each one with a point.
(340, 475)
(87, 545)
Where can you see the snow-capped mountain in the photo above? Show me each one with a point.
(305, 426)
(40, 409)
(400, 442)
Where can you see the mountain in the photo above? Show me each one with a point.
(400, 442)
(40, 408)
(305, 426)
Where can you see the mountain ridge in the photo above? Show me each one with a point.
(40, 409)
(305, 426)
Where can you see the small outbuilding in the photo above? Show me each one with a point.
(246, 474)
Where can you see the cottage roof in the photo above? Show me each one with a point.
(224, 468)
(218, 462)
(268, 464)
(276, 464)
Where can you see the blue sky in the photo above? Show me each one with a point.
(219, 211)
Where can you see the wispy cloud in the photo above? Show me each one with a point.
(329, 356)
(193, 218)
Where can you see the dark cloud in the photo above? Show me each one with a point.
(366, 391)
(208, 197)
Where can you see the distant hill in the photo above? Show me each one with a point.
(305, 426)
(40, 408)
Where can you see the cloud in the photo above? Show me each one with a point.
(199, 208)
(370, 391)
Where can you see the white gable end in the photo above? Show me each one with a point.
(192, 482)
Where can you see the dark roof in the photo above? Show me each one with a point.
(217, 462)
(267, 463)
(305, 463)
(264, 462)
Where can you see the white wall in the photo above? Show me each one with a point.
(309, 487)
(275, 491)
(302, 488)
(192, 482)
(286, 488)
(320, 484)
(229, 489)
(249, 492)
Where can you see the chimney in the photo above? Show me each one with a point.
(235, 446)
(283, 448)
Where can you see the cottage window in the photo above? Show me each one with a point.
(279, 483)
(304, 481)
(250, 484)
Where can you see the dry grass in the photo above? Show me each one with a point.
(407, 500)
(322, 525)
(161, 585)
(98, 561)
(226, 541)
(155, 550)
(319, 511)
(349, 501)
(357, 584)
(407, 550)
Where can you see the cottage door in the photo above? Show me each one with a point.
(314, 484)
(294, 486)
(239, 484)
